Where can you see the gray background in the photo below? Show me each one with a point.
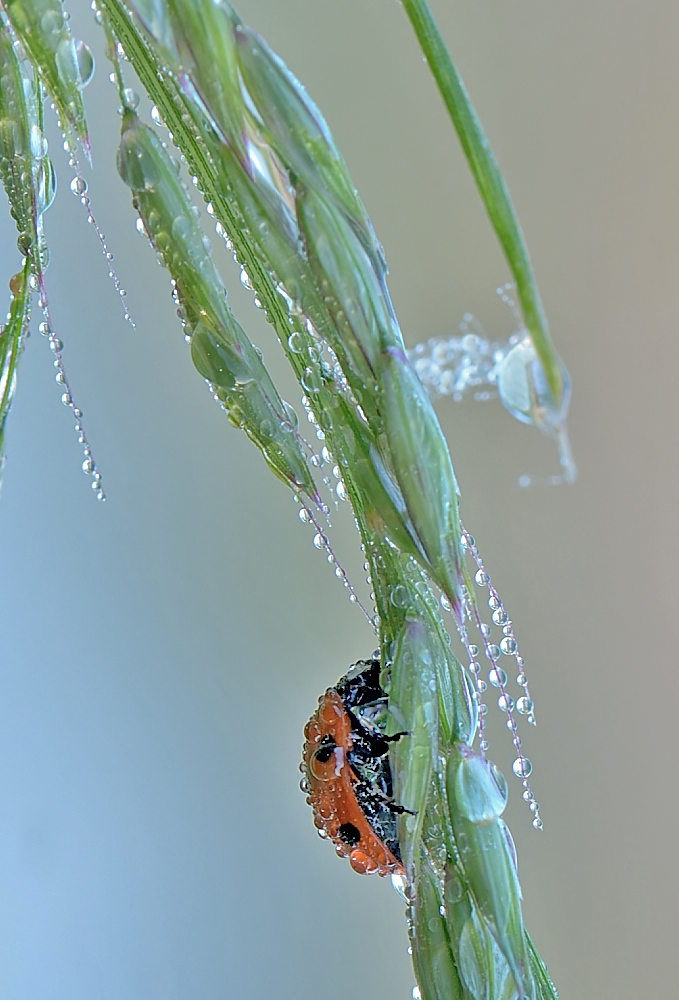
(161, 653)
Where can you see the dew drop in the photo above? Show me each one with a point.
(130, 99)
(497, 677)
(296, 343)
(84, 61)
(38, 143)
(311, 381)
(482, 578)
(492, 651)
(524, 706)
(399, 596)
(522, 767)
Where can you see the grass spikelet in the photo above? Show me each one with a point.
(220, 349)
(65, 64)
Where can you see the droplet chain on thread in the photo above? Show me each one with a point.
(79, 189)
(89, 466)
(524, 705)
(307, 516)
(521, 767)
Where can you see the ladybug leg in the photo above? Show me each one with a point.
(378, 796)
(394, 807)
(395, 738)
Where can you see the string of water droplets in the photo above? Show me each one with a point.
(497, 676)
(79, 188)
(321, 542)
(46, 328)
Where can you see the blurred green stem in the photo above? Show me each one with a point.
(490, 183)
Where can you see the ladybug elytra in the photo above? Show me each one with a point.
(348, 777)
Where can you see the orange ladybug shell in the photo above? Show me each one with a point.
(331, 792)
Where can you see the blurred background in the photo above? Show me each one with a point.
(162, 652)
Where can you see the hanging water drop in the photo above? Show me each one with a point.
(522, 767)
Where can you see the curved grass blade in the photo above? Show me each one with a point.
(491, 185)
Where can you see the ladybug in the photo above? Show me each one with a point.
(347, 772)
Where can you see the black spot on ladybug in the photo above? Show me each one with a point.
(326, 748)
(348, 834)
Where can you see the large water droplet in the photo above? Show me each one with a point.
(296, 343)
(522, 767)
(85, 62)
(311, 380)
(38, 143)
(130, 99)
(137, 163)
(398, 596)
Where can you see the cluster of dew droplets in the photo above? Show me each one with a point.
(497, 676)
(46, 328)
(467, 364)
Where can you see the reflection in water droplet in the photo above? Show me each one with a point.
(130, 99)
(522, 767)
(296, 343)
(311, 381)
